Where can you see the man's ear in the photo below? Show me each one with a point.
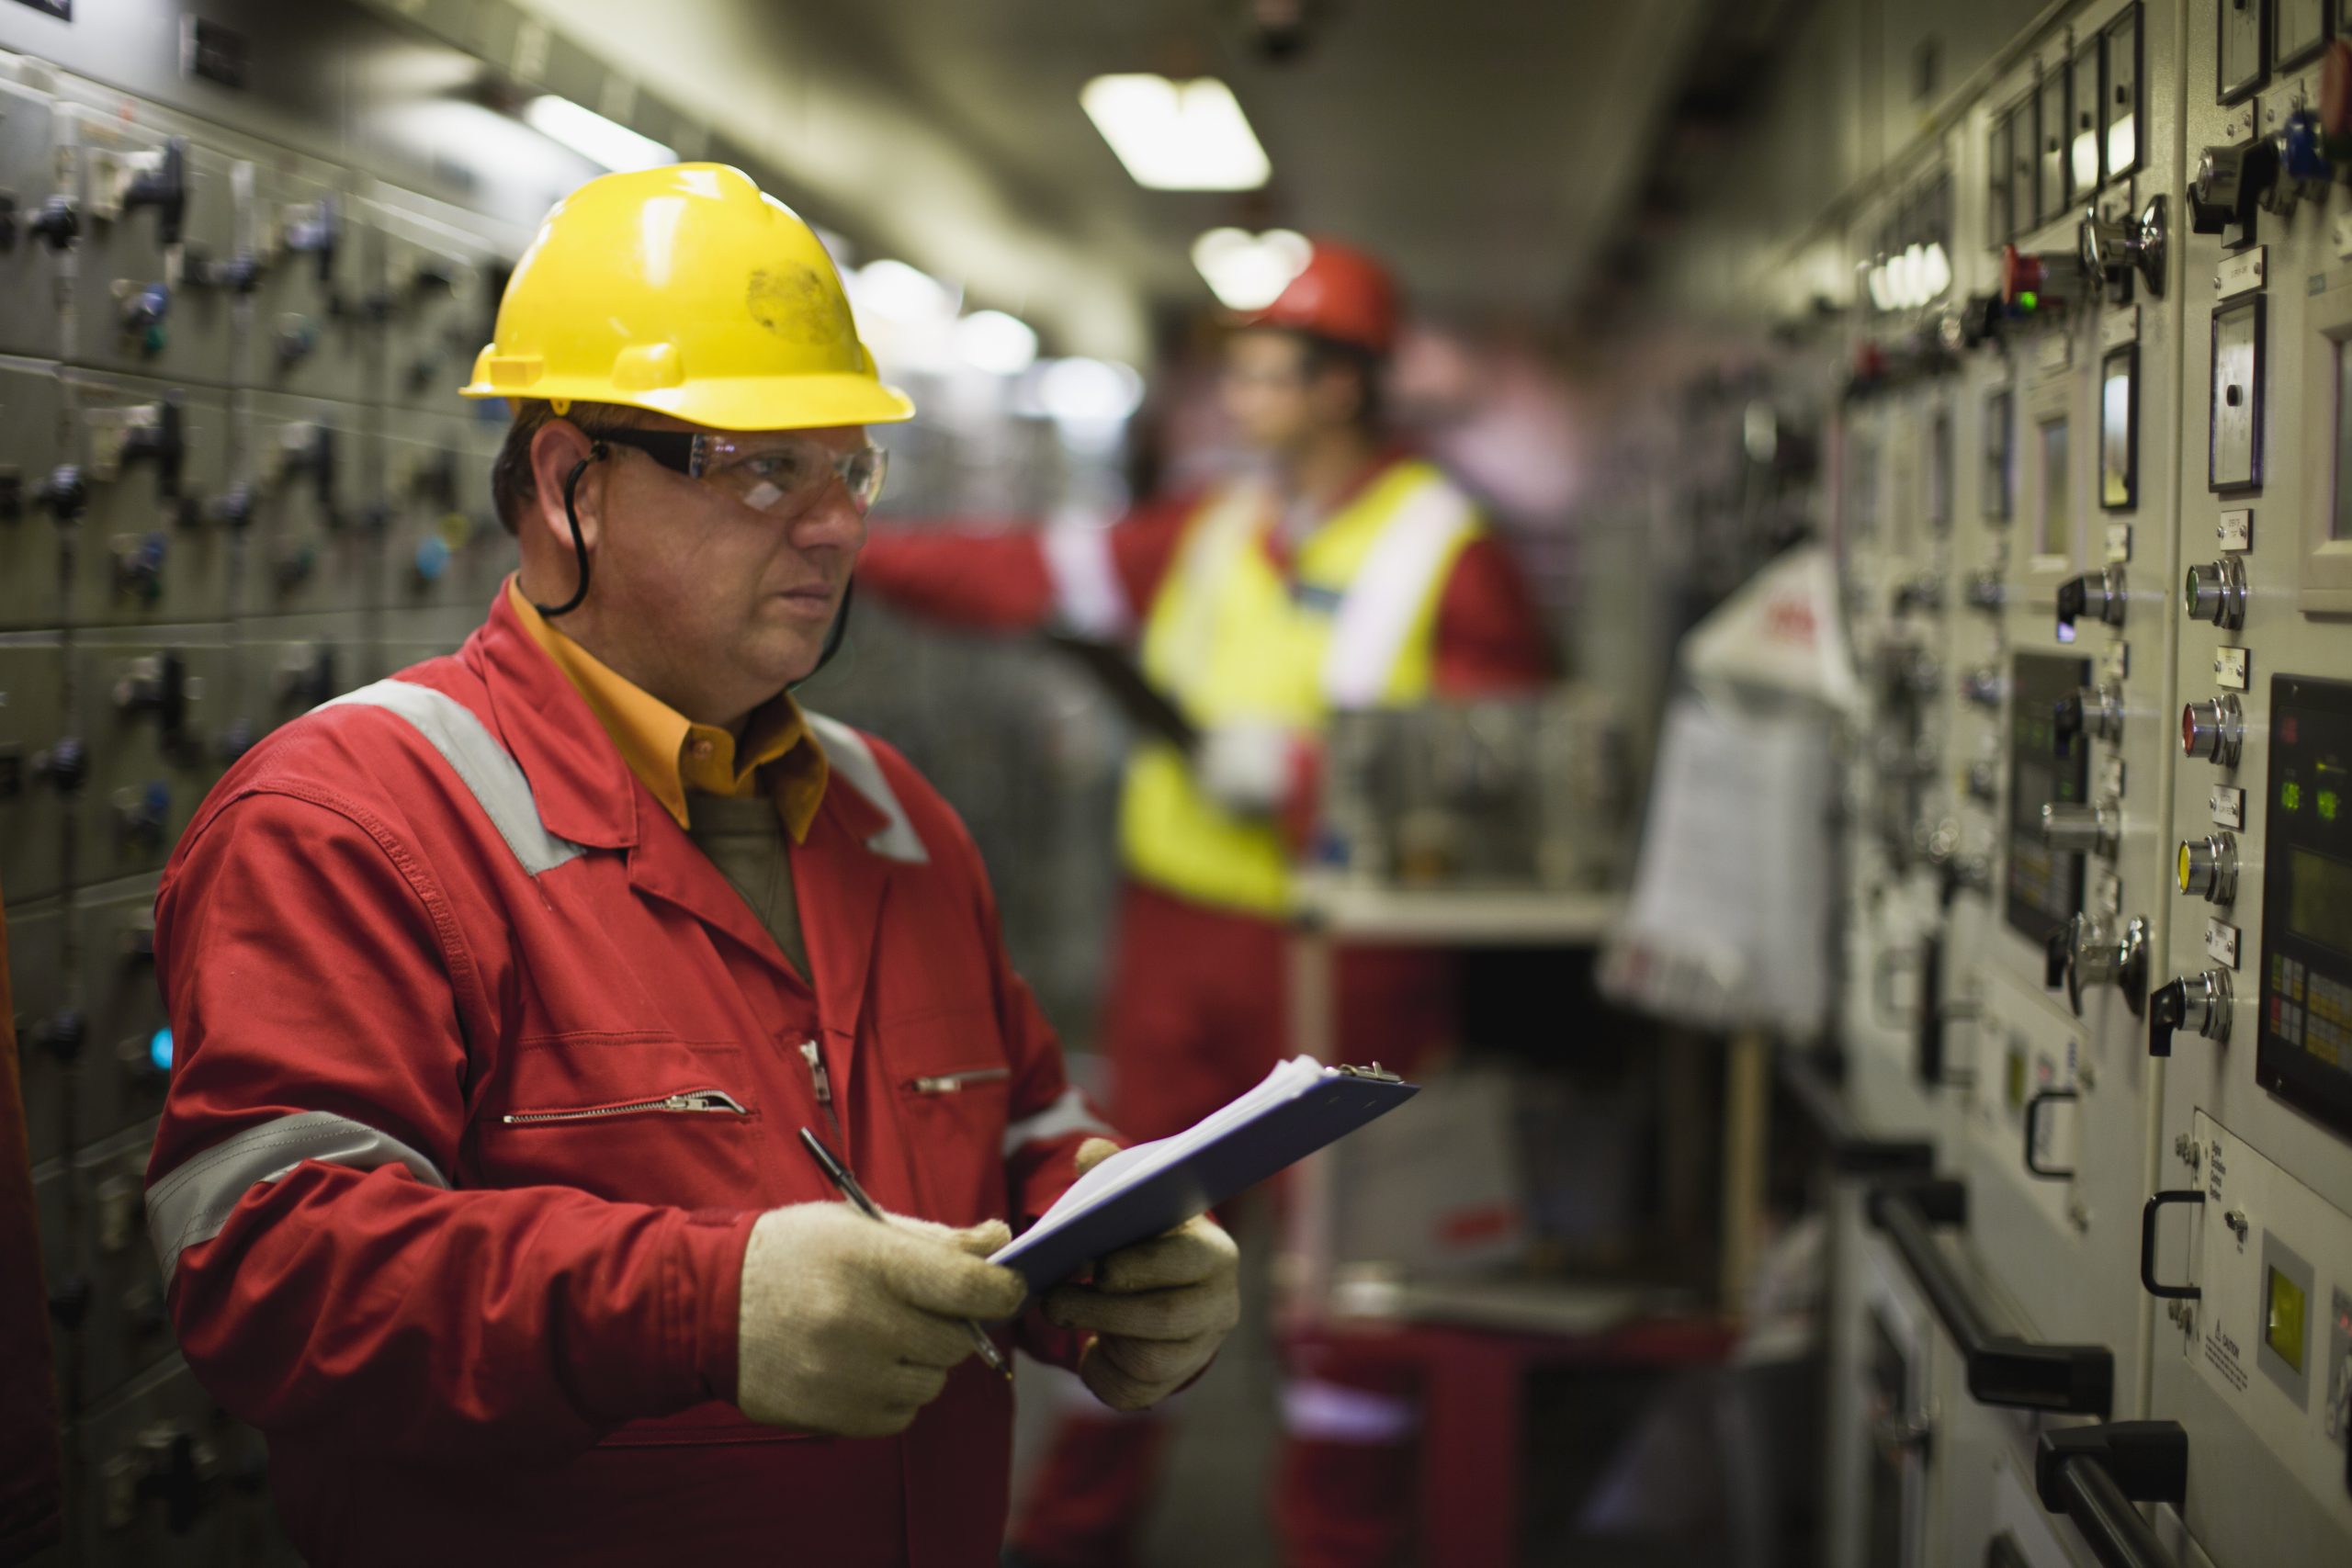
(557, 447)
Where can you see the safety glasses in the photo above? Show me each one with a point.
(781, 475)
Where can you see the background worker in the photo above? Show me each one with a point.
(1341, 574)
(502, 986)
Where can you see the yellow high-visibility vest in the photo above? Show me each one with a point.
(1228, 640)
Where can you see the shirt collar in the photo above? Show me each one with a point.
(674, 756)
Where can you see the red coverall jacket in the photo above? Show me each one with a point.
(470, 1339)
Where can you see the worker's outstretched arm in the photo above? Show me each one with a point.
(1095, 581)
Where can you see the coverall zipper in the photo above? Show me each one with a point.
(693, 1100)
(822, 1081)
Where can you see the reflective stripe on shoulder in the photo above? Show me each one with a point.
(1334, 1413)
(1386, 600)
(853, 759)
(192, 1203)
(1066, 1115)
(495, 778)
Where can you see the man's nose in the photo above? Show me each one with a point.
(833, 521)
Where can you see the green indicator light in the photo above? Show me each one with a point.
(2327, 805)
(2290, 797)
(2030, 300)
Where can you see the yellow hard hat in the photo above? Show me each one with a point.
(690, 291)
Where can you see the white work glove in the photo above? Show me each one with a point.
(848, 1325)
(1245, 766)
(1157, 1310)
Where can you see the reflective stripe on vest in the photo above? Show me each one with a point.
(494, 778)
(1230, 638)
(192, 1202)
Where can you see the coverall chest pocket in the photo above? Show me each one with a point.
(637, 1118)
(954, 1086)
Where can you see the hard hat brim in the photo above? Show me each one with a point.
(752, 402)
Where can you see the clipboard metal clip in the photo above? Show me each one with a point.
(1375, 1072)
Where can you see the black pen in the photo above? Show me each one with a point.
(837, 1174)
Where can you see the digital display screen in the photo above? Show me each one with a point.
(2001, 479)
(2319, 899)
(2054, 517)
(2304, 1054)
(2123, 95)
(2340, 513)
(2283, 1318)
(2044, 887)
(2119, 430)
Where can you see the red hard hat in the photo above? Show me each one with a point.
(1341, 294)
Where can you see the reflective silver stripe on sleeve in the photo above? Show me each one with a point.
(1385, 601)
(1066, 1115)
(1088, 595)
(494, 777)
(192, 1203)
(850, 756)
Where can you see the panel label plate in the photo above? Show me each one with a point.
(2119, 542)
(2240, 274)
(2235, 531)
(2120, 327)
(2222, 942)
(2233, 669)
(2228, 805)
(2286, 1373)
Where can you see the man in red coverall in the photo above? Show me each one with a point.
(1347, 574)
(502, 987)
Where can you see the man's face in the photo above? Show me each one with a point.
(1267, 390)
(720, 599)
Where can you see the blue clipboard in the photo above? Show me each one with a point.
(1243, 1156)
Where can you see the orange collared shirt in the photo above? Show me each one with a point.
(674, 755)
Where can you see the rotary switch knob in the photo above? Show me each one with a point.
(2100, 598)
(2197, 1002)
(2207, 868)
(2113, 251)
(2096, 712)
(2086, 952)
(2229, 183)
(2081, 829)
(2216, 592)
(2213, 729)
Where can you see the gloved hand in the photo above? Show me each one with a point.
(1246, 766)
(1158, 1310)
(848, 1327)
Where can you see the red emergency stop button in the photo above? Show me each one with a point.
(2020, 274)
(2336, 90)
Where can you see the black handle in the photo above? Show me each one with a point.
(2003, 1370)
(2057, 956)
(2002, 1552)
(2032, 1119)
(2148, 1245)
(2167, 1005)
(1811, 1079)
(2094, 1475)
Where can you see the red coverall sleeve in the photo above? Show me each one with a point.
(309, 963)
(1491, 638)
(1020, 577)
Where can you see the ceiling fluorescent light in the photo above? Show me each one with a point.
(996, 342)
(1247, 272)
(1177, 135)
(595, 138)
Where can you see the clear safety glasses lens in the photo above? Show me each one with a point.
(783, 476)
(786, 477)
